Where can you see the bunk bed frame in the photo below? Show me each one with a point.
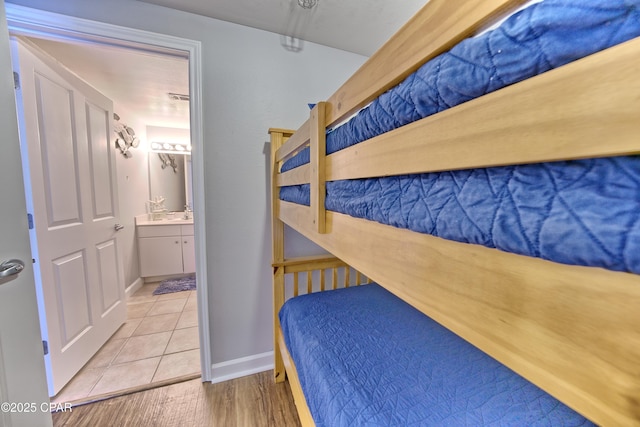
(573, 331)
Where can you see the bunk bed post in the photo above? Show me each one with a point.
(277, 233)
(317, 143)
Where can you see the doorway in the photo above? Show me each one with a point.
(29, 22)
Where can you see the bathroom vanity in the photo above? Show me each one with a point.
(166, 246)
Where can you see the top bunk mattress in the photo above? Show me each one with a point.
(537, 39)
(582, 212)
(365, 357)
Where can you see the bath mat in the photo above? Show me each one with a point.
(179, 284)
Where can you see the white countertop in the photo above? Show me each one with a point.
(143, 220)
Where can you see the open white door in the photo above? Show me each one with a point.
(22, 374)
(69, 163)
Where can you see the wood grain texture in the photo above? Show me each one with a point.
(278, 138)
(306, 263)
(318, 155)
(249, 401)
(567, 113)
(447, 22)
(299, 175)
(437, 27)
(296, 141)
(537, 317)
(304, 414)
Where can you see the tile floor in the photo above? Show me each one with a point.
(159, 341)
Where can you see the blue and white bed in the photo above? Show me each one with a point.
(522, 139)
(390, 365)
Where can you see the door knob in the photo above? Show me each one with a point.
(11, 267)
(118, 227)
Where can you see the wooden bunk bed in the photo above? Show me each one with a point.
(542, 319)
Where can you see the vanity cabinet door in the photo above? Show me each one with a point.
(188, 254)
(160, 256)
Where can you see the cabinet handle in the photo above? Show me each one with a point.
(177, 242)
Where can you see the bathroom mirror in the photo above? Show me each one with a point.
(170, 174)
(168, 179)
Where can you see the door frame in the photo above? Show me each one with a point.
(25, 21)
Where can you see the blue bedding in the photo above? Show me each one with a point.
(360, 364)
(584, 212)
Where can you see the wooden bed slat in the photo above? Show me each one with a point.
(299, 139)
(571, 330)
(447, 22)
(298, 264)
(306, 260)
(566, 113)
(296, 284)
(297, 176)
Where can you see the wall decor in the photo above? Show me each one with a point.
(168, 160)
(125, 137)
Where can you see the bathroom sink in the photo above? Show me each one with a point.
(176, 220)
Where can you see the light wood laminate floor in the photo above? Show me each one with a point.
(159, 342)
(252, 401)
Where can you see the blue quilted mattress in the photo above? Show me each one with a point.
(584, 212)
(366, 358)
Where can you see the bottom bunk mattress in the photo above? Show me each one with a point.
(365, 357)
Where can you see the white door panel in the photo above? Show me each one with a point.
(107, 254)
(67, 129)
(22, 373)
(73, 302)
(58, 152)
(101, 162)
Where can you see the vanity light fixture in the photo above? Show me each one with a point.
(171, 147)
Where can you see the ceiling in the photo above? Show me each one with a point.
(358, 26)
(140, 81)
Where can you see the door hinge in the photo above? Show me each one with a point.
(16, 80)
(30, 220)
(45, 347)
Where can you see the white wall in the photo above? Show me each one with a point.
(133, 192)
(250, 84)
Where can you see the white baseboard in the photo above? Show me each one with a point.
(132, 288)
(241, 367)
